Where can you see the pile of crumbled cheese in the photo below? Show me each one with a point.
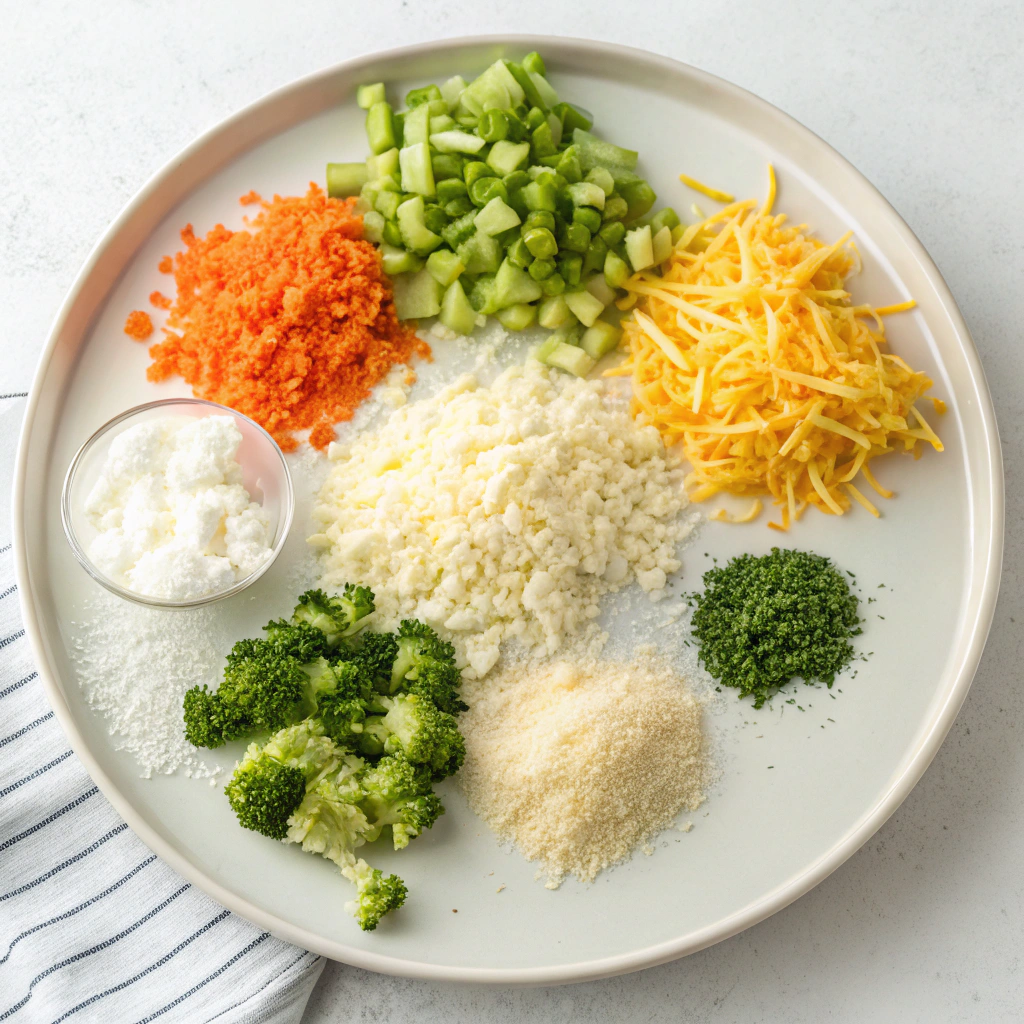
(174, 520)
(503, 511)
(578, 764)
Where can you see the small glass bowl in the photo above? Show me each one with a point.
(264, 475)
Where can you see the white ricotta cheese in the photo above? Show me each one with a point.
(174, 520)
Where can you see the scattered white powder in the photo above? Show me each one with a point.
(135, 663)
(580, 763)
(503, 512)
(173, 517)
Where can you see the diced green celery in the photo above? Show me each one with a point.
(586, 193)
(480, 253)
(383, 165)
(417, 296)
(481, 297)
(399, 261)
(506, 157)
(547, 93)
(493, 126)
(542, 351)
(515, 180)
(553, 312)
(391, 234)
(539, 195)
(535, 118)
(570, 267)
(416, 128)
(517, 317)
(417, 173)
(539, 269)
(677, 233)
(616, 270)
(457, 314)
(451, 188)
(542, 142)
(519, 254)
(456, 208)
(387, 203)
(398, 123)
(613, 233)
(595, 152)
(571, 359)
(445, 266)
(640, 248)
(474, 171)
(451, 91)
(345, 179)
(502, 74)
(367, 95)
(555, 124)
(438, 106)
(373, 227)
(602, 177)
(490, 91)
(639, 197)
(554, 284)
(585, 306)
(495, 217)
(446, 165)
(459, 230)
(441, 123)
(664, 218)
(661, 244)
(380, 127)
(534, 62)
(572, 118)
(600, 338)
(615, 209)
(415, 233)
(512, 286)
(540, 219)
(416, 97)
(568, 165)
(483, 190)
(435, 218)
(454, 141)
(530, 94)
(599, 288)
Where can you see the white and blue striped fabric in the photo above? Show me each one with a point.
(93, 927)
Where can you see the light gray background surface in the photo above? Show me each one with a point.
(927, 99)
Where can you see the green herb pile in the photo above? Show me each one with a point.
(763, 621)
(352, 727)
(493, 197)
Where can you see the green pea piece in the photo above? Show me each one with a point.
(474, 171)
(540, 269)
(540, 219)
(484, 190)
(553, 285)
(541, 243)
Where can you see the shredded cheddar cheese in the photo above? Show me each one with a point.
(748, 352)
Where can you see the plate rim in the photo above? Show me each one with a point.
(966, 656)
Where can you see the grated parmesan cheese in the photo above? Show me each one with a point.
(578, 764)
(502, 512)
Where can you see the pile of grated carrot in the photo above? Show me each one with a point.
(290, 322)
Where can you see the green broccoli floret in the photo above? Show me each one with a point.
(377, 894)
(425, 665)
(270, 782)
(299, 640)
(208, 721)
(338, 616)
(413, 726)
(374, 653)
(397, 793)
(262, 686)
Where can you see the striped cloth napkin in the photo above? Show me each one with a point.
(93, 927)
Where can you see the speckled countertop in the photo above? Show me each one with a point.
(926, 97)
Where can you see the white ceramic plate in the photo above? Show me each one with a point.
(839, 767)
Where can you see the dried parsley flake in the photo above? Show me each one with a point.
(763, 621)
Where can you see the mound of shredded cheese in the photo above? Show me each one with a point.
(748, 351)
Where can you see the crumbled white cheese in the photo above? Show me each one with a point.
(174, 520)
(502, 512)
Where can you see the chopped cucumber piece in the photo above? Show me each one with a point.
(446, 166)
(600, 338)
(568, 165)
(417, 296)
(542, 351)
(616, 270)
(512, 286)
(555, 124)
(398, 261)
(553, 312)
(599, 288)
(416, 127)
(586, 307)
(445, 266)
(506, 157)
(385, 165)
(661, 244)
(417, 174)
(441, 123)
(602, 177)
(456, 312)
(480, 253)
(547, 94)
(417, 97)
(495, 217)
(391, 234)
(677, 233)
(501, 73)
(387, 204)
(586, 193)
(450, 92)
(640, 248)
(571, 359)
(345, 179)
(534, 62)
(595, 152)
(367, 95)
(530, 95)
(373, 227)
(415, 233)
(540, 195)
(517, 317)
(573, 118)
(456, 142)
(380, 127)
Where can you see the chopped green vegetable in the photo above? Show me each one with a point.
(600, 338)
(457, 314)
(497, 216)
(571, 359)
(417, 296)
(417, 172)
(368, 95)
(444, 266)
(517, 317)
(380, 127)
(585, 306)
(345, 179)
(640, 248)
